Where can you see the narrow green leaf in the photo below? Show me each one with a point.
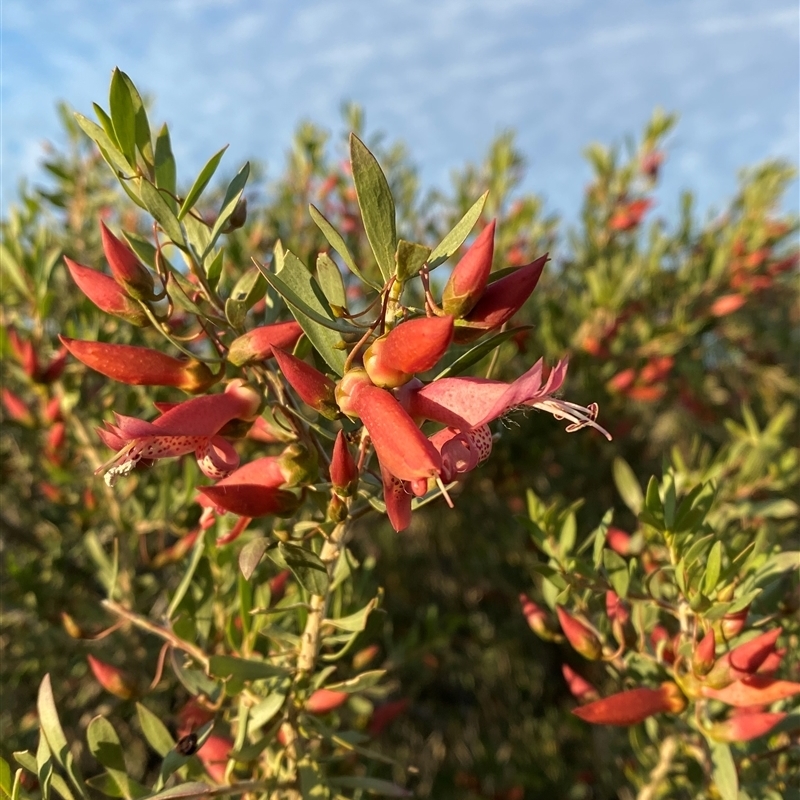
(724, 770)
(245, 669)
(653, 499)
(26, 759)
(305, 565)
(200, 182)
(410, 258)
(154, 730)
(713, 569)
(177, 288)
(354, 622)
(214, 270)
(143, 137)
(232, 196)
(44, 765)
(186, 581)
(251, 554)
(51, 727)
(165, 169)
(308, 306)
(61, 786)
(105, 123)
(366, 680)
(123, 116)
(479, 352)
(198, 236)
(162, 213)
(263, 712)
(617, 569)
(111, 153)
(182, 791)
(336, 241)
(331, 281)
(457, 236)
(370, 786)
(376, 204)
(6, 780)
(105, 746)
(628, 485)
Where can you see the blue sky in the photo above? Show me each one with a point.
(443, 75)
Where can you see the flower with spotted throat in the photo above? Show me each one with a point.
(191, 426)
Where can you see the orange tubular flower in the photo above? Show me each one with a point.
(468, 280)
(257, 344)
(411, 347)
(106, 294)
(140, 366)
(635, 705)
(191, 426)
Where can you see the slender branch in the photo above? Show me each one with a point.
(666, 754)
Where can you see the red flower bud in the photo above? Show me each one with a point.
(619, 541)
(111, 678)
(635, 705)
(277, 586)
(582, 638)
(622, 381)
(629, 215)
(365, 656)
(140, 366)
(744, 727)
(536, 617)
(733, 624)
(53, 371)
(213, 756)
(579, 687)
(126, 268)
(661, 634)
(753, 691)
(314, 388)
(704, 654)
(16, 408)
(324, 700)
(411, 347)
(344, 472)
(501, 300)
(745, 659)
(106, 294)
(257, 344)
(252, 490)
(384, 714)
(468, 280)
(24, 352)
(727, 304)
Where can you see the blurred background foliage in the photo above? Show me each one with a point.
(685, 331)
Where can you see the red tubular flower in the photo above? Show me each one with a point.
(411, 347)
(386, 713)
(745, 659)
(401, 447)
(314, 388)
(579, 687)
(322, 701)
(753, 691)
(582, 638)
(111, 678)
(500, 301)
(704, 654)
(141, 366)
(24, 352)
(635, 705)
(191, 426)
(744, 727)
(53, 371)
(257, 344)
(277, 586)
(126, 268)
(344, 472)
(106, 294)
(468, 403)
(468, 280)
(16, 408)
(253, 490)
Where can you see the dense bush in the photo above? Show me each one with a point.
(648, 582)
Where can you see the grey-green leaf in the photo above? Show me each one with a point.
(628, 485)
(162, 213)
(376, 203)
(154, 730)
(724, 770)
(111, 153)
(450, 244)
(165, 168)
(251, 554)
(232, 196)
(305, 565)
(200, 182)
(123, 116)
(330, 281)
(411, 257)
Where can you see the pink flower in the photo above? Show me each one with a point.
(191, 426)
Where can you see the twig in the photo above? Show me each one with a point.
(666, 753)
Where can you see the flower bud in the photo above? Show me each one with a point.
(536, 617)
(344, 472)
(365, 656)
(501, 300)
(347, 387)
(16, 408)
(744, 727)
(384, 714)
(277, 586)
(213, 756)
(322, 701)
(733, 624)
(756, 690)
(24, 352)
(111, 678)
(744, 660)
(704, 654)
(74, 631)
(238, 218)
(314, 388)
(632, 706)
(413, 346)
(582, 638)
(126, 268)
(468, 280)
(141, 366)
(53, 371)
(579, 687)
(106, 294)
(257, 344)
(619, 541)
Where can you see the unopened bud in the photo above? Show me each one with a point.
(238, 218)
(258, 343)
(344, 472)
(111, 678)
(314, 388)
(468, 280)
(126, 268)
(582, 638)
(107, 294)
(704, 654)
